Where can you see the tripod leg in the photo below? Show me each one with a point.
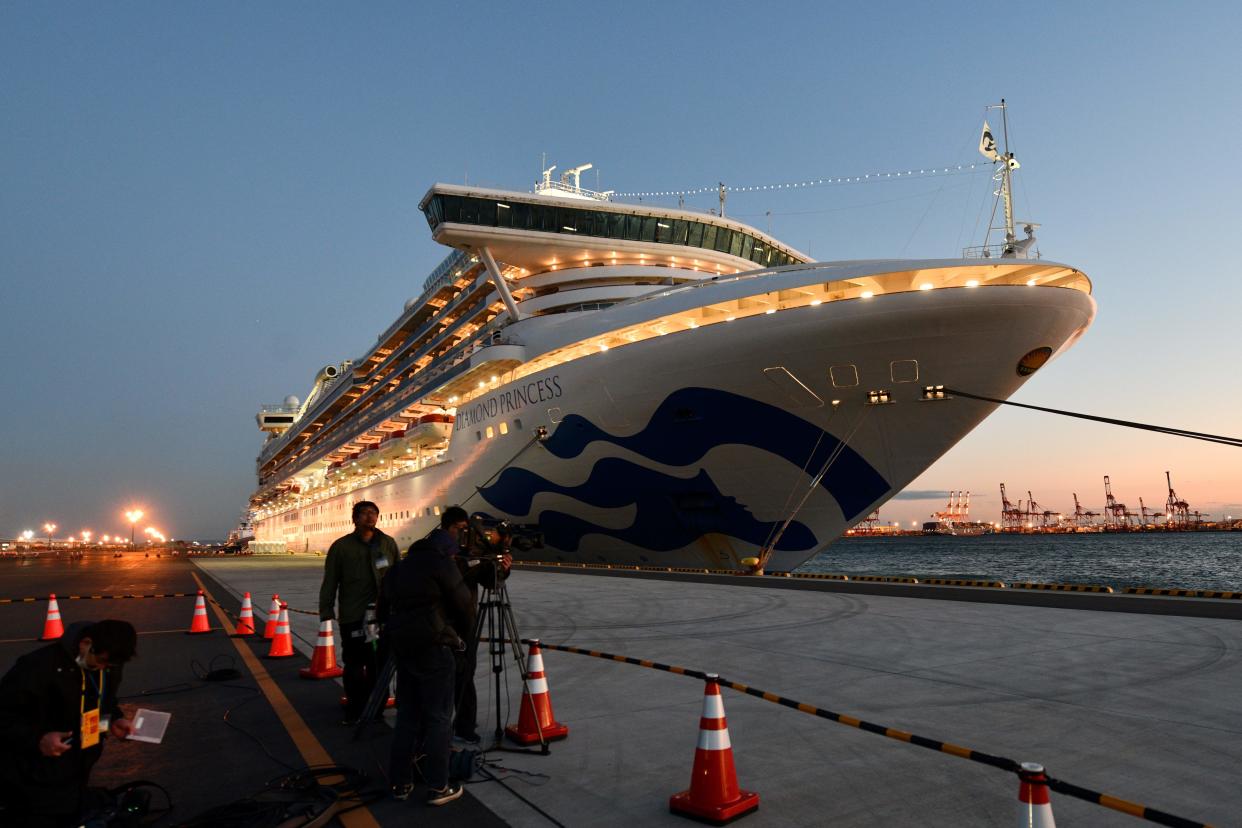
(515, 641)
(378, 698)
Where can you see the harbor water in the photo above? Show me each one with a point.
(1186, 560)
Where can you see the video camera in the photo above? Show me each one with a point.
(492, 537)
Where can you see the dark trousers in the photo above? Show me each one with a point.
(465, 722)
(424, 716)
(360, 668)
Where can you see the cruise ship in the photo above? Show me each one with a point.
(654, 386)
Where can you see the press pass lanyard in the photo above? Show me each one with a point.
(90, 718)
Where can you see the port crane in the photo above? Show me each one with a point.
(1011, 515)
(1143, 511)
(1176, 510)
(1115, 514)
(1081, 516)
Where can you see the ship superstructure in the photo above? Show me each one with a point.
(653, 385)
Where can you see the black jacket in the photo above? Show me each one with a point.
(424, 603)
(42, 693)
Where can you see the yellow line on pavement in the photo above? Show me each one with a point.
(313, 753)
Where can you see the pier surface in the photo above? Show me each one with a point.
(1135, 705)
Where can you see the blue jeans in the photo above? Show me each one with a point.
(424, 716)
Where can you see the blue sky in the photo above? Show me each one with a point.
(202, 204)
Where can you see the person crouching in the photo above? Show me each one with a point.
(427, 613)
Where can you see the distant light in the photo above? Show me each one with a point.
(1030, 283)
(729, 319)
(770, 311)
(603, 347)
(866, 294)
(694, 324)
(972, 283)
(926, 286)
(815, 302)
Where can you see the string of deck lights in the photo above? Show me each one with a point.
(814, 182)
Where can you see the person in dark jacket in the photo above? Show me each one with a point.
(427, 614)
(353, 570)
(55, 704)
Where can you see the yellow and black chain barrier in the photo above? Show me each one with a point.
(1001, 762)
(98, 597)
(894, 579)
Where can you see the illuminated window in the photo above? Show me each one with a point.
(504, 428)
(490, 433)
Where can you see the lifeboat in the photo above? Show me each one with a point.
(369, 458)
(393, 445)
(432, 429)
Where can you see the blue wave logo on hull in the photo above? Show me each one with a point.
(670, 512)
(674, 512)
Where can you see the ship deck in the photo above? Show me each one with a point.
(1138, 705)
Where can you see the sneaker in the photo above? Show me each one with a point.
(402, 792)
(444, 795)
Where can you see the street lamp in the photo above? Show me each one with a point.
(133, 516)
(49, 528)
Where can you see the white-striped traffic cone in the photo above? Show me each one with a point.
(53, 627)
(245, 621)
(714, 795)
(273, 617)
(536, 715)
(198, 624)
(282, 641)
(323, 660)
(1036, 808)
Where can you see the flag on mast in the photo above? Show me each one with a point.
(987, 144)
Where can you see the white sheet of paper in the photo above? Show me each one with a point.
(149, 726)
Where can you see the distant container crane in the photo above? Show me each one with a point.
(1115, 514)
(1012, 516)
(1176, 510)
(1081, 516)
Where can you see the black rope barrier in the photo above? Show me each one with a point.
(999, 762)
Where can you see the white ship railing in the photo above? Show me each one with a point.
(568, 188)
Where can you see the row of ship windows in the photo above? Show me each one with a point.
(500, 428)
(488, 212)
(385, 520)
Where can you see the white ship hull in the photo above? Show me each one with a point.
(691, 450)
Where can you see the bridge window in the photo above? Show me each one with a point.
(601, 224)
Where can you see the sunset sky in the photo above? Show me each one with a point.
(204, 203)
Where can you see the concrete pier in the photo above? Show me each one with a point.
(1139, 706)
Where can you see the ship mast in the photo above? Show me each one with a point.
(1007, 181)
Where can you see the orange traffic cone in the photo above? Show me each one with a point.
(323, 661)
(52, 626)
(198, 624)
(1036, 809)
(536, 716)
(273, 617)
(245, 621)
(714, 795)
(282, 640)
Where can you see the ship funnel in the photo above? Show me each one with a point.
(327, 372)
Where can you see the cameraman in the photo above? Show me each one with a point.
(427, 613)
(55, 705)
(482, 563)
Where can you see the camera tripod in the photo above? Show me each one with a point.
(496, 617)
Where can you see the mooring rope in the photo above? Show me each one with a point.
(1176, 432)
